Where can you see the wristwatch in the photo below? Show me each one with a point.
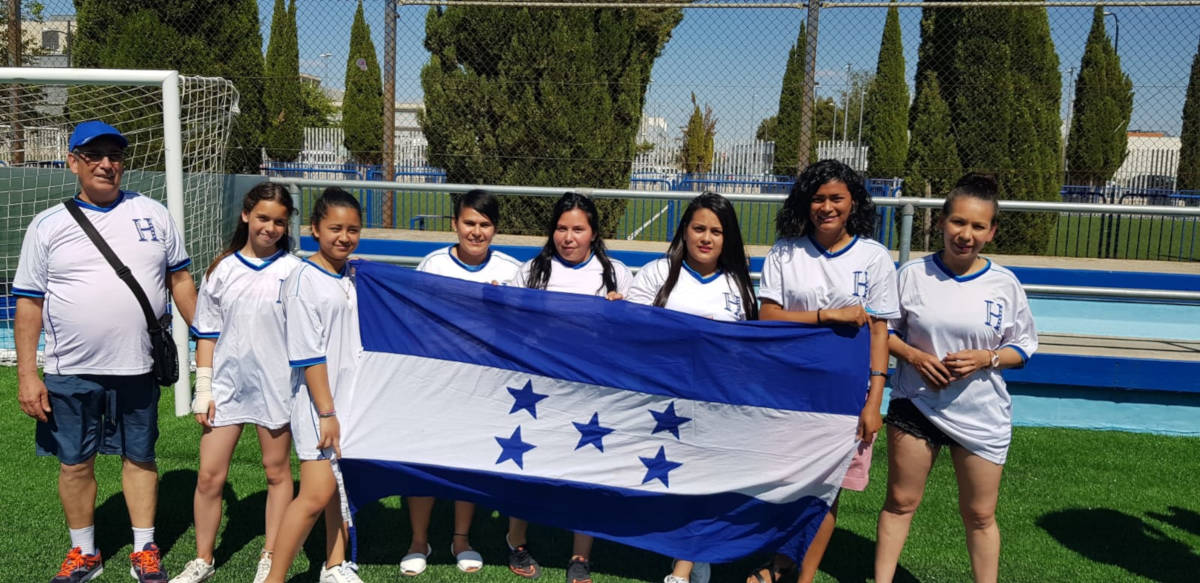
(995, 359)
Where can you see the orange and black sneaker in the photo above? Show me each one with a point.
(521, 561)
(78, 567)
(578, 570)
(147, 565)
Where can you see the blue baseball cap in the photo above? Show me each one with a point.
(90, 130)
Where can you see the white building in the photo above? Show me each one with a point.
(1151, 162)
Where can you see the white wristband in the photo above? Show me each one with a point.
(203, 394)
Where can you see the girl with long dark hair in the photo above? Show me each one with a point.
(242, 375)
(704, 273)
(573, 260)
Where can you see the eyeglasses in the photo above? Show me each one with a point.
(93, 158)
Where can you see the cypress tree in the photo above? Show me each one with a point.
(240, 41)
(362, 110)
(1100, 117)
(284, 135)
(982, 108)
(195, 37)
(1036, 143)
(1189, 136)
(788, 119)
(933, 155)
(539, 96)
(886, 125)
(696, 153)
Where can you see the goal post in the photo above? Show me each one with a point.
(178, 128)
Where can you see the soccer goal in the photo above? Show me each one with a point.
(178, 128)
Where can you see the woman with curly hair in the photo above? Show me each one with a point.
(824, 271)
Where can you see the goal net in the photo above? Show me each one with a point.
(177, 127)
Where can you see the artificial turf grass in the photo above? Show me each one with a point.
(1074, 506)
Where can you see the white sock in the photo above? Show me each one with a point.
(84, 538)
(142, 537)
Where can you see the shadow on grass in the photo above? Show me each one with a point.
(175, 490)
(384, 535)
(1180, 518)
(1115, 538)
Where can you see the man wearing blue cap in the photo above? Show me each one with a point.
(97, 394)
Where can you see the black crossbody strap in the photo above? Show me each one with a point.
(122, 271)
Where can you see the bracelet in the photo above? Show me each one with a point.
(819, 317)
(880, 373)
(327, 414)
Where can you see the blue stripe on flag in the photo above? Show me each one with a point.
(614, 344)
(666, 524)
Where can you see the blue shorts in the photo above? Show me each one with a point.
(109, 414)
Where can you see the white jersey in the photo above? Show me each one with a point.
(801, 276)
(322, 327)
(715, 297)
(942, 313)
(92, 321)
(240, 306)
(586, 277)
(498, 267)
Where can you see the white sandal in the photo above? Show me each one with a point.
(414, 564)
(469, 561)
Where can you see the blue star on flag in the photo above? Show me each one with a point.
(658, 467)
(525, 398)
(591, 432)
(667, 420)
(513, 448)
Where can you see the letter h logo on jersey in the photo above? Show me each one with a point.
(860, 284)
(995, 314)
(145, 229)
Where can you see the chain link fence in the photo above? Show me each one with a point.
(687, 96)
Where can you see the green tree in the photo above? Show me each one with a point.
(284, 134)
(982, 108)
(539, 96)
(242, 63)
(362, 109)
(788, 119)
(195, 37)
(696, 153)
(1189, 137)
(933, 155)
(823, 114)
(886, 125)
(316, 109)
(1100, 117)
(997, 71)
(1035, 144)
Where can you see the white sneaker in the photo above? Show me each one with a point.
(264, 569)
(195, 571)
(674, 579)
(344, 573)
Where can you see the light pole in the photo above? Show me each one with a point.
(846, 108)
(1116, 32)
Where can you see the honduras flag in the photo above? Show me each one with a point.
(696, 439)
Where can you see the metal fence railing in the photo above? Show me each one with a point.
(739, 65)
(885, 196)
(905, 208)
(1107, 234)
